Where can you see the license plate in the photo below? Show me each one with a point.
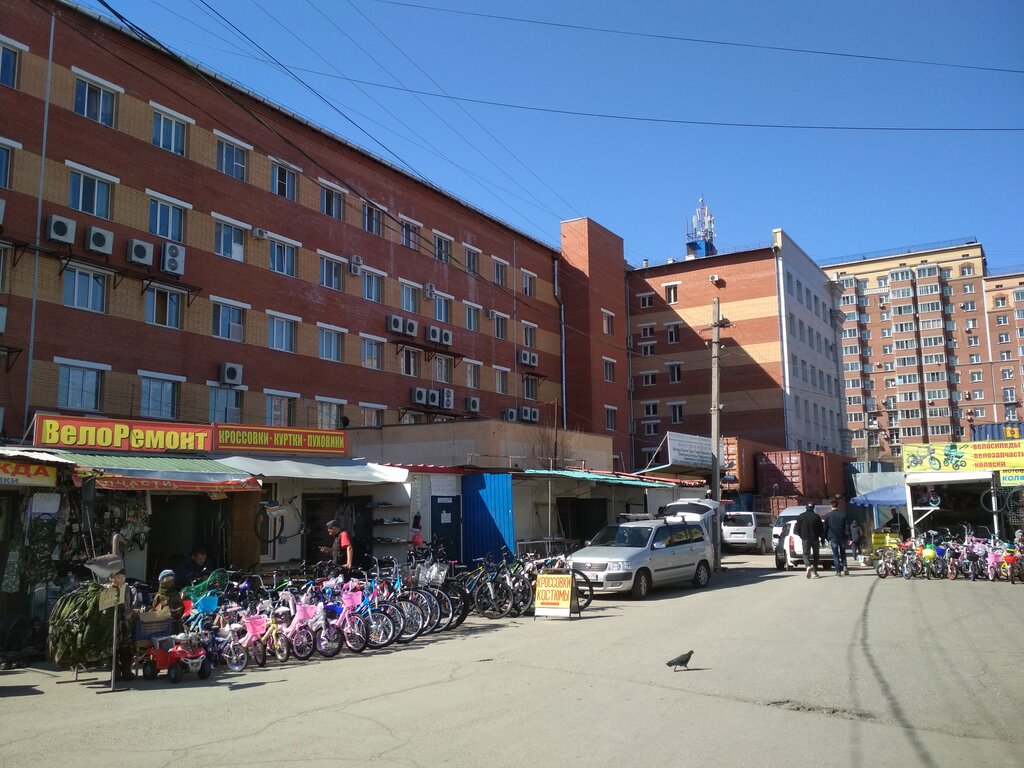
(594, 576)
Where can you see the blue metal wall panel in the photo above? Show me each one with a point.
(1008, 430)
(487, 520)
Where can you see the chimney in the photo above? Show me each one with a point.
(645, 263)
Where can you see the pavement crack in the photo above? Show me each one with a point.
(839, 712)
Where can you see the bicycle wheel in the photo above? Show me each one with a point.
(445, 610)
(413, 617)
(280, 647)
(953, 570)
(493, 599)
(328, 641)
(584, 588)
(355, 632)
(522, 596)
(381, 630)
(395, 614)
(429, 606)
(303, 644)
(235, 657)
(882, 569)
(460, 602)
(258, 651)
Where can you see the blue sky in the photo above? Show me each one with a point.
(836, 193)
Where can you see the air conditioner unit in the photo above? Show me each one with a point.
(490, 314)
(524, 413)
(140, 252)
(473, 404)
(434, 398)
(713, 278)
(61, 229)
(418, 395)
(969, 411)
(396, 323)
(356, 259)
(412, 327)
(534, 359)
(99, 240)
(524, 357)
(447, 337)
(259, 233)
(236, 331)
(353, 267)
(173, 260)
(231, 373)
(535, 414)
(509, 414)
(448, 399)
(967, 395)
(232, 415)
(433, 334)
(429, 290)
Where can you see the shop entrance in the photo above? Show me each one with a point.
(581, 518)
(352, 514)
(446, 524)
(179, 524)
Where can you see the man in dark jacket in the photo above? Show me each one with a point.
(812, 533)
(836, 532)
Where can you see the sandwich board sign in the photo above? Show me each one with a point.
(556, 595)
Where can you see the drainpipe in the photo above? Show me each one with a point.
(561, 337)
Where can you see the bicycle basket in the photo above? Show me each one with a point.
(216, 582)
(352, 599)
(436, 574)
(206, 604)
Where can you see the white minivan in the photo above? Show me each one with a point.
(747, 530)
(792, 513)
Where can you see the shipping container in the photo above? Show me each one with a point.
(740, 455)
(775, 504)
(835, 472)
(791, 473)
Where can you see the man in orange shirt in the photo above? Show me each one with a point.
(340, 542)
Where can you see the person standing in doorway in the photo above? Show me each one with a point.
(835, 532)
(812, 533)
(341, 546)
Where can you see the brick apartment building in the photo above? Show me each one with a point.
(932, 343)
(204, 255)
(781, 308)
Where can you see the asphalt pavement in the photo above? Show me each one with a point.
(786, 671)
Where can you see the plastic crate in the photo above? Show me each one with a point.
(149, 630)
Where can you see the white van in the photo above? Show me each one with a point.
(792, 513)
(742, 529)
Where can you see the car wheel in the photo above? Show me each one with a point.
(641, 585)
(761, 547)
(703, 575)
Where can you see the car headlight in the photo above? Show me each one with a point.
(619, 565)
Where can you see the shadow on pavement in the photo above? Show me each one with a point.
(10, 691)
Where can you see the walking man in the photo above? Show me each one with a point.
(836, 532)
(812, 533)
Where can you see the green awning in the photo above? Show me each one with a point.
(142, 473)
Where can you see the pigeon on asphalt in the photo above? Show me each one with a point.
(680, 661)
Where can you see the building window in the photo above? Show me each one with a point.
(529, 336)
(163, 307)
(409, 234)
(650, 428)
(676, 413)
(1000, 301)
(373, 286)
(1003, 338)
(330, 273)
(607, 323)
(373, 417)
(94, 102)
(673, 333)
(371, 219)
(500, 272)
(227, 322)
(1009, 395)
(443, 367)
(671, 294)
(648, 378)
(280, 411)
(78, 388)
(332, 203)
(646, 350)
(166, 220)
(330, 415)
(472, 261)
(651, 409)
(472, 318)
(647, 301)
(225, 405)
(372, 354)
(5, 167)
(410, 362)
(529, 284)
(410, 298)
(89, 195)
(85, 289)
(442, 248)
(8, 66)
(500, 327)
(501, 381)
(442, 309)
(282, 181)
(159, 398)
(281, 333)
(609, 370)
(609, 418)
(530, 387)
(168, 133)
(473, 375)
(229, 241)
(231, 159)
(675, 373)
(330, 345)
(282, 258)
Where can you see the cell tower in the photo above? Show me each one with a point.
(700, 240)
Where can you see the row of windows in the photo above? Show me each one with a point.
(650, 428)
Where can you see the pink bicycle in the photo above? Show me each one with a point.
(298, 634)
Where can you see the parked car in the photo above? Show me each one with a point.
(789, 550)
(747, 530)
(636, 556)
(792, 513)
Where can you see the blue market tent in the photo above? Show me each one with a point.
(887, 496)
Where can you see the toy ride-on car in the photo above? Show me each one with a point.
(177, 654)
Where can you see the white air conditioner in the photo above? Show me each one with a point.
(418, 395)
(535, 415)
(473, 404)
(524, 413)
(429, 290)
(509, 414)
(259, 233)
(231, 373)
(140, 252)
(354, 268)
(448, 399)
(61, 229)
(99, 240)
(236, 331)
(433, 334)
(447, 337)
(396, 323)
(713, 278)
(534, 359)
(412, 327)
(173, 259)
(490, 314)
(232, 415)
(356, 259)
(434, 398)
(524, 357)
(967, 395)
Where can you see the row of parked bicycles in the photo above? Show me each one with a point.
(939, 555)
(236, 620)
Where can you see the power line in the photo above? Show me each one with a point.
(706, 41)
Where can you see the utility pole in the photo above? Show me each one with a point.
(717, 323)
